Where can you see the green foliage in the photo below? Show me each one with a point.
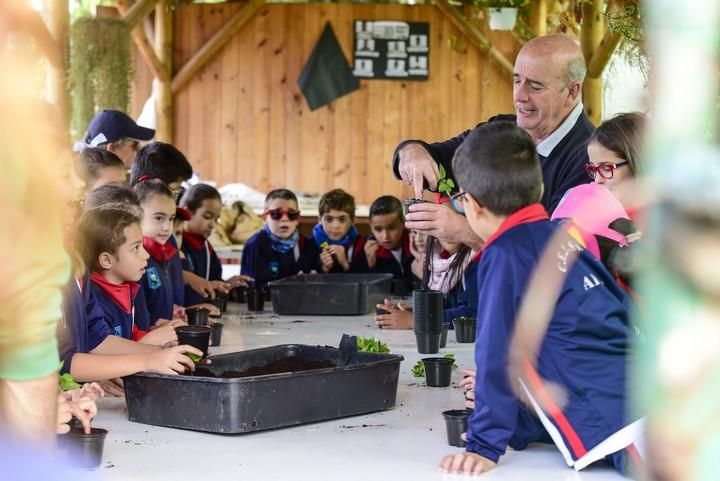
(67, 382)
(370, 344)
(630, 24)
(193, 357)
(445, 185)
(418, 370)
(499, 3)
(101, 68)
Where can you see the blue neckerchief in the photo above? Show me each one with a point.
(282, 245)
(321, 237)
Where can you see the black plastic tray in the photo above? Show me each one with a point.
(329, 294)
(368, 383)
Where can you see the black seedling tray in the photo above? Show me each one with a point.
(329, 294)
(368, 383)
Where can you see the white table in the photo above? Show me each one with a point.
(405, 443)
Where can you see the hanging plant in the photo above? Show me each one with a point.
(101, 68)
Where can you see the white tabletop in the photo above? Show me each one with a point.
(405, 443)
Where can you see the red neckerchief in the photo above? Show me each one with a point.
(121, 294)
(384, 253)
(531, 213)
(196, 241)
(159, 252)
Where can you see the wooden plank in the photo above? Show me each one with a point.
(227, 110)
(342, 22)
(262, 135)
(359, 111)
(603, 52)
(143, 45)
(215, 44)
(590, 36)
(277, 160)
(184, 29)
(295, 107)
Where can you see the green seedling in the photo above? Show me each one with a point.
(445, 185)
(193, 357)
(67, 382)
(418, 370)
(370, 344)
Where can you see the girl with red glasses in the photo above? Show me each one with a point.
(278, 250)
(614, 154)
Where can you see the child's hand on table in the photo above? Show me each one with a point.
(467, 384)
(199, 284)
(240, 281)
(83, 408)
(160, 336)
(466, 463)
(214, 311)
(179, 312)
(221, 286)
(398, 317)
(172, 360)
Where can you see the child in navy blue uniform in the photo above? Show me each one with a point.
(388, 251)
(110, 242)
(162, 283)
(98, 167)
(204, 204)
(158, 160)
(342, 249)
(586, 345)
(278, 250)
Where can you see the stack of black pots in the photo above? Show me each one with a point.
(428, 320)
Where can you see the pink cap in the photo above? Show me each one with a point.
(592, 208)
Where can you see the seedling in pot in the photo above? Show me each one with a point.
(418, 370)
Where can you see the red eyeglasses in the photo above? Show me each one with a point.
(606, 170)
(277, 214)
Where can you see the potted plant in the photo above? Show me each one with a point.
(502, 13)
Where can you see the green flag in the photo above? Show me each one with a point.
(327, 74)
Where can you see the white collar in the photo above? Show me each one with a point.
(546, 147)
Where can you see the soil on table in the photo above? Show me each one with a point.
(289, 364)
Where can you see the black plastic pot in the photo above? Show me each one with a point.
(216, 333)
(438, 371)
(83, 450)
(197, 316)
(464, 329)
(237, 294)
(379, 311)
(255, 299)
(427, 311)
(428, 343)
(195, 336)
(408, 202)
(456, 422)
(220, 302)
(443, 336)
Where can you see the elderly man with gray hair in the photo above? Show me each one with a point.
(547, 92)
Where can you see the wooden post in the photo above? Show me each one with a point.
(139, 11)
(474, 35)
(603, 52)
(163, 88)
(212, 46)
(538, 17)
(590, 37)
(58, 23)
(144, 47)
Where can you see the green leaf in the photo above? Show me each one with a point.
(370, 344)
(67, 382)
(193, 357)
(450, 183)
(442, 171)
(418, 370)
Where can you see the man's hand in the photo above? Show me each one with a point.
(416, 166)
(466, 463)
(443, 223)
(371, 247)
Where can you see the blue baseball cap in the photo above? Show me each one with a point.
(112, 125)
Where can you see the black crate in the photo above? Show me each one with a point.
(368, 383)
(329, 294)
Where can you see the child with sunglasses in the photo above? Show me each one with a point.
(278, 250)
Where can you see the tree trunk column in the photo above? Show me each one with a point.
(163, 88)
(591, 35)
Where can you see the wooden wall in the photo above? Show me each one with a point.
(243, 118)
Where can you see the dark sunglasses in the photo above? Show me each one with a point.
(606, 170)
(277, 214)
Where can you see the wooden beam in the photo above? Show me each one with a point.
(602, 54)
(45, 40)
(138, 11)
(474, 35)
(163, 88)
(144, 46)
(58, 23)
(212, 46)
(591, 34)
